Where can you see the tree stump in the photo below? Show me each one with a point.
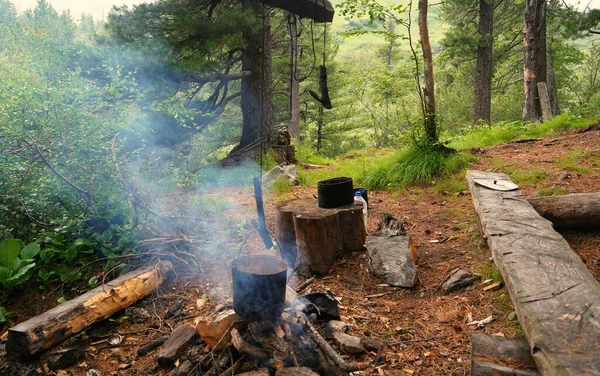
(317, 237)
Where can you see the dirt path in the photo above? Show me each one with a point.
(425, 332)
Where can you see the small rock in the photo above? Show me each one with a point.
(184, 369)
(459, 280)
(512, 316)
(288, 173)
(137, 314)
(371, 344)
(348, 344)
(65, 360)
(564, 176)
(335, 326)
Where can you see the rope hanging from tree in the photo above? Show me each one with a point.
(324, 98)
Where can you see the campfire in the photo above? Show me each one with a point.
(268, 337)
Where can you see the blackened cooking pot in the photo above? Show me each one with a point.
(335, 192)
(259, 287)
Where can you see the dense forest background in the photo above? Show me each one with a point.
(102, 123)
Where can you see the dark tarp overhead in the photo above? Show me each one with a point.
(317, 10)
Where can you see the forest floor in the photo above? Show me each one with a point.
(424, 331)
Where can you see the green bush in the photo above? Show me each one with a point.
(417, 164)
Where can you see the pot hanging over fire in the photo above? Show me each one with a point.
(259, 287)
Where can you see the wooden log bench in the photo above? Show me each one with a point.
(556, 297)
(317, 237)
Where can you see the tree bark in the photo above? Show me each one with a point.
(578, 211)
(483, 71)
(551, 81)
(54, 326)
(294, 102)
(257, 93)
(429, 87)
(534, 63)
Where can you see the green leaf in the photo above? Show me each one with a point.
(30, 251)
(21, 275)
(82, 241)
(61, 300)
(46, 254)
(9, 250)
(106, 235)
(4, 315)
(5, 274)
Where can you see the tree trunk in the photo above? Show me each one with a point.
(429, 88)
(551, 81)
(294, 102)
(483, 72)
(534, 63)
(257, 93)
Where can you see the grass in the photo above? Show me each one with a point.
(551, 191)
(489, 271)
(489, 135)
(416, 164)
(355, 167)
(528, 178)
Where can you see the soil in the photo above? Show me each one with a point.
(424, 331)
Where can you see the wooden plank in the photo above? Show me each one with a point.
(316, 10)
(54, 326)
(578, 211)
(556, 297)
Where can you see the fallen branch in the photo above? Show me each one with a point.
(54, 326)
(330, 351)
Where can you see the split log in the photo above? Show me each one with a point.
(576, 211)
(215, 331)
(181, 338)
(499, 356)
(555, 295)
(54, 326)
(317, 237)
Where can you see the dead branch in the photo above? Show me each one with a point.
(87, 194)
(244, 347)
(330, 351)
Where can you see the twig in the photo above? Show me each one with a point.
(87, 194)
(234, 367)
(305, 284)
